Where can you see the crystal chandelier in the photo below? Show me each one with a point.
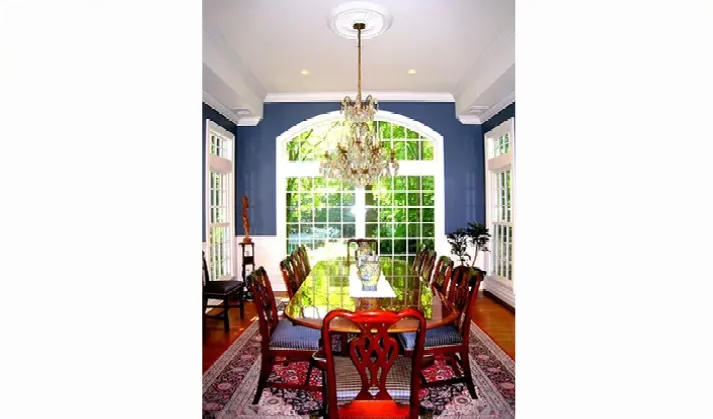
(359, 159)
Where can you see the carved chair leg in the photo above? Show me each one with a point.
(265, 369)
(453, 361)
(226, 318)
(309, 373)
(465, 363)
(205, 304)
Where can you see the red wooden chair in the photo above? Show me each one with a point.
(373, 377)
(280, 338)
(359, 242)
(442, 274)
(292, 282)
(451, 341)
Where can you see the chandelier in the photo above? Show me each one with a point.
(359, 159)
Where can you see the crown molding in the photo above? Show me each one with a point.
(249, 121)
(469, 119)
(209, 100)
(380, 96)
(502, 104)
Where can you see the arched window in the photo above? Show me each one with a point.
(404, 212)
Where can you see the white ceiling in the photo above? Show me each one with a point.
(254, 50)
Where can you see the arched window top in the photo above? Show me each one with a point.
(313, 142)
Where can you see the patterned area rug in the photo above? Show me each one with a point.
(229, 385)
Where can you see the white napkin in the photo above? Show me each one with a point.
(383, 288)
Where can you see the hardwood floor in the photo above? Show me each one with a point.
(496, 320)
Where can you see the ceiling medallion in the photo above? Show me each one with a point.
(376, 19)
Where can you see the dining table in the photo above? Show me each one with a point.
(327, 288)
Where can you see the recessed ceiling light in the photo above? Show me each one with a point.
(304, 72)
(411, 71)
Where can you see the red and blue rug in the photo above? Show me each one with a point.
(230, 383)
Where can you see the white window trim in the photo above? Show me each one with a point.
(212, 126)
(501, 162)
(284, 169)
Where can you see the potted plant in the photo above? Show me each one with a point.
(479, 237)
(459, 244)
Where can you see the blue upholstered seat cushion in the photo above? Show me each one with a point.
(290, 336)
(398, 380)
(440, 336)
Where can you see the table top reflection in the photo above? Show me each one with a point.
(327, 288)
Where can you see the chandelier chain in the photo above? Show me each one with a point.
(358, 28)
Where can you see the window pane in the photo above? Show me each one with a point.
(427, 147)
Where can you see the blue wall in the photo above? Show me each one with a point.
(463, 154)
(213, 115)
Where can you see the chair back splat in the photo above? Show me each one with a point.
(442, 274)
(292, 282)
(304, 258)
(463, 292)
(264, 303)
(374, 353)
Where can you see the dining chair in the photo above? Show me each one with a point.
(297, 265)
(304, 258)
(280, 338)
(373, 380)
(442, 274)
(451, 340)
(221, 290)
(359, 242)
(418, 260)
(429, 259)
(292, 282)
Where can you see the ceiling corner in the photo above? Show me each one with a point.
(247, 94)
(492, 77)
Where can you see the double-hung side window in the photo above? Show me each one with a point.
(220, 202)
(499, 200)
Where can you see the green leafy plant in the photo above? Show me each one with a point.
(478, 236)
(459, 244)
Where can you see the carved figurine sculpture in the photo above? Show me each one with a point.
(246, 222)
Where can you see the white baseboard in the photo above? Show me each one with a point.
(269, 251)
(500, 290)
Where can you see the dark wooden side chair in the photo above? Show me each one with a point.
(442, 274)
(373, 243)
(221, 290)
(373, 378)
(428, 261)
(280, 338)
(297, 266)
(292, 282)
(418, 260)
(304, 258)
(451, 340)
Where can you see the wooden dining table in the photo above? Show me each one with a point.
(327, 288)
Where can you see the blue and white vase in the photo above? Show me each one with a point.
(369, 272)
